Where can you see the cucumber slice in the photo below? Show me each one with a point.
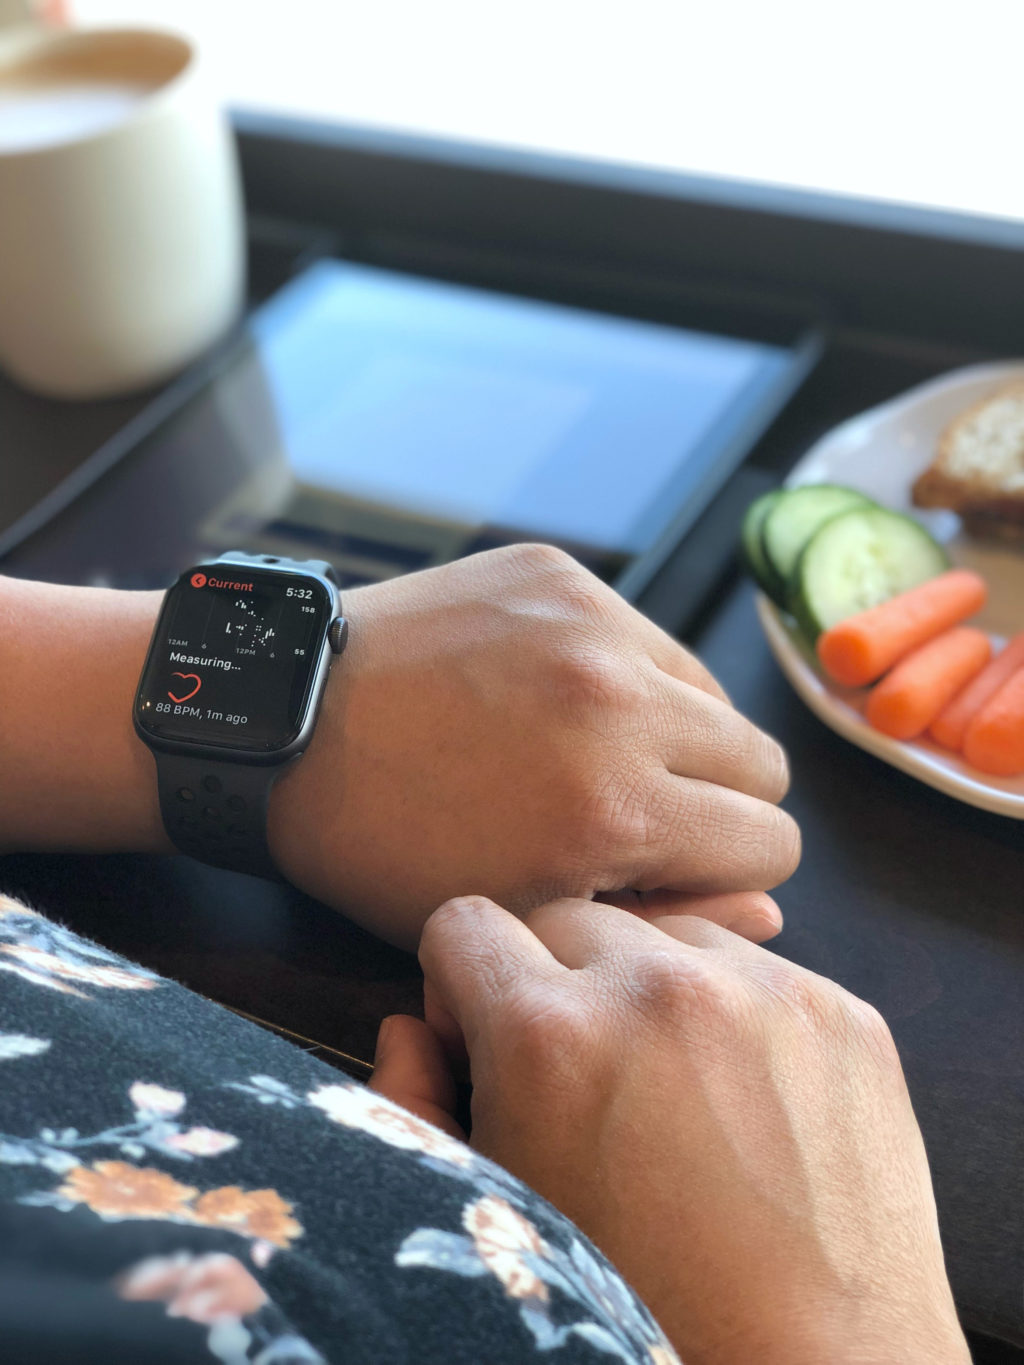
(858, 559)
(793, 520)
(751, 553)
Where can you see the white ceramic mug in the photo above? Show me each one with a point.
(122, 250)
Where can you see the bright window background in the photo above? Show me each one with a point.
(906, 101)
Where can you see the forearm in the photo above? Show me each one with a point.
(73, 774)
(504, 724)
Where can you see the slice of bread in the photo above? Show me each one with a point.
(979, 468)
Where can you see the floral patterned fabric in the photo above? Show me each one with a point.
(177, 1185)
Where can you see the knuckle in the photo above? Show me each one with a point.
(691, 671)
(536, 557)
(696, 673)
(458, 907)
(611, 826)
(545, 1029)
(592, 682)
(832, 1017)
(673, 984)
(580, 595)
(583, 604)
(706, 816)
(713, 728)
(869, 1030)
(812, 1000)
(777, 838)
(449, 918)
(759, 841)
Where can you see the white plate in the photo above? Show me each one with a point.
(880, 453)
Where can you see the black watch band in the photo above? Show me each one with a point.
(216, 810)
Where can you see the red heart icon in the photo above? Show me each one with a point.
(199, 683)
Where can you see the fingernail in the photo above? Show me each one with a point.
(382, 1038)
(756, 926)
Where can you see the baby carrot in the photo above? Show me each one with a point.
(907, 701)
(994, 741)
(950, 725)
(861, 648)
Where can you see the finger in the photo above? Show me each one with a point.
(582, 934)
(656, 644)
(410, 1069)
(753, 915)
(708, 840)
(704, 935)
(578, 932)
(446, 1028)
(677, 662)
(704, 737)
(475, 955)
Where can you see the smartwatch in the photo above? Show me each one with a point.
(229, 696)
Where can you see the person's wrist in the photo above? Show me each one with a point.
(80, 778)
(843, 1333)
(131, 767)
(930, 1341)
(112, 765)
(307, 830)
(121, 765)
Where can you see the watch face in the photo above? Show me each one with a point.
(234, 657)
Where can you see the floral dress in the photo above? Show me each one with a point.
(177, 1185)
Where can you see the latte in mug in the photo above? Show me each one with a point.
(120, 210)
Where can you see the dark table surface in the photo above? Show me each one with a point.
(908, 898)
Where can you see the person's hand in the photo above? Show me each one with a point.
(733, 1131)
(507, 723)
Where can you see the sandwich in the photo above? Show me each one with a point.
(978, 470)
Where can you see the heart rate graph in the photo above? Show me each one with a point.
(248, 629)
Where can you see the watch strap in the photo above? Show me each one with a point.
(320, 566)
(217, 812)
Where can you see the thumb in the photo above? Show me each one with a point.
(751, 914)
(410, 1068)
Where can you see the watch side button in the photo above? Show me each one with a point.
(337, 634)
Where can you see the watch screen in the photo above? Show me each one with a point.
(234, 657)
